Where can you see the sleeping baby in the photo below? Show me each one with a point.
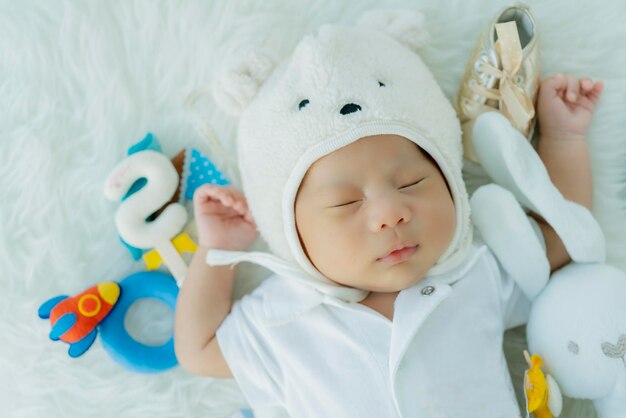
(383, 302)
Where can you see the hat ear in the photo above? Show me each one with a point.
(236, 86)
(406, 26)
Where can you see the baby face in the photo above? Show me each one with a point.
(378, 194)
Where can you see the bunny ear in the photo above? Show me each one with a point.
(406, 26)
(236, 86)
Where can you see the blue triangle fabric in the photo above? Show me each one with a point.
(201, 171)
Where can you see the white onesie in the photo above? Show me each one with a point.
(313, 355)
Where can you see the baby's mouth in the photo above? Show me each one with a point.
(399, 255)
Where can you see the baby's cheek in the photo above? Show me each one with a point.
(321, 243)
(447, 224)
(439, 217)
(340, 251)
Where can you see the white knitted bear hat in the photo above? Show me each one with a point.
(339, 85)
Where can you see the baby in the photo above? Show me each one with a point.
(393, 316)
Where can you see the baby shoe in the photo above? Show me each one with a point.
(502, 74)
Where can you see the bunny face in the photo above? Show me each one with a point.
(578, 325)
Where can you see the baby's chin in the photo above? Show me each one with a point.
(388, 285)
(392, 288)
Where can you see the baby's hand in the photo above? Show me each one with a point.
(223, 218)
(565, 105)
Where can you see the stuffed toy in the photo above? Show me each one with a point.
(152, 190)
(577, 322)
(74, 319)
(77, 320)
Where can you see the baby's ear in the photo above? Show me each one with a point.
(237, 85)
(406, 26)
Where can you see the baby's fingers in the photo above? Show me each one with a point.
(228, 197)
(585, 85)
(211, 195)
(241, 206)
(592, 90)
(206, 193)
(235, 199)
(554, 86)
(573, 89)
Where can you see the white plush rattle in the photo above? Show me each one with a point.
(132, 217)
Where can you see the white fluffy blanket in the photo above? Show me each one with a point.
(82, 81)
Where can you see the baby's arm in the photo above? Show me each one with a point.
(205, 299)
(564, 108)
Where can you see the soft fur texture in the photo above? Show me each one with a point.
(82, 81)
(297, 117)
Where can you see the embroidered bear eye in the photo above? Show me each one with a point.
(573, 347)
(381, 84)
(303, 104)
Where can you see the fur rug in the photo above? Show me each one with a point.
(82, 81)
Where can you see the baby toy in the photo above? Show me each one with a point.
(124, 349)
(152, 190)
(74, 319)
(578, 324)
(132, 217)
(543, 398)
(577, 320)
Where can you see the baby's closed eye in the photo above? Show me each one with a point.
(348, 202)
(413, 183)
(345, 204)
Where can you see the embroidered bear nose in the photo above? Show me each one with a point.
(350, 108)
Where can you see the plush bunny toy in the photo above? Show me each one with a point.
(577, 322)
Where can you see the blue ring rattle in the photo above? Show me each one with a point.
(123, 348)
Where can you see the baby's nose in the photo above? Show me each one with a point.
(349, 108)
(389, 216)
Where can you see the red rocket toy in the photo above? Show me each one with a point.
(74, 319)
